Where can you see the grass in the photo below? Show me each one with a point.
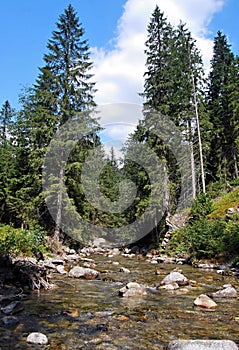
(229, 200)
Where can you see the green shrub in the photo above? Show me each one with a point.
(201, 207)
(215, 189)
(201, 239)
(21, 242)
(235, 262)
(235, 182)
(231, 238)
(207, 238)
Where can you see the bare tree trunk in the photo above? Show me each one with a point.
(193, 174)
(166, 202)
(199, 136)
(59, 207)
(235, 165)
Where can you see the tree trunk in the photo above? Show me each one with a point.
(59, 207)
(199, 136)
(193, 175)
(235, 165)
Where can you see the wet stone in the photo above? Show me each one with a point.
(204, 301)
(10, 321)
(228, 292)
(60, 269)
(132, 289)
(123, 269)
(175, 277)
(169, 286)
(83, 272)
(12, 308)
(202, 345)
(37, 338)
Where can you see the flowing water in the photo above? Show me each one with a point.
(82, 314)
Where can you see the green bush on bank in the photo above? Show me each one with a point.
(204, 238)
(21, 242)
(201, 239)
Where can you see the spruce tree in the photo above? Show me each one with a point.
(172, 88)
(63, 91)
(232, 127)
(218, 109)
(188, 78)
(7, 114)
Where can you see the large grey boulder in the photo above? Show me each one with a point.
(37, 338)
(202, 345)
(175, 277)
(83, 272)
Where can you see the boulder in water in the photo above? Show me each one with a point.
(204, 301)
(83, 272)
(37, 338)
(175, 277)
(202, 345)
(132, 289)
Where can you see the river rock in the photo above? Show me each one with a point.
(83, 272)
(115, 251)
(228, 292)
(166, 260)
(202, 345)
(57, 261)
(169, 286)
(72, 257)
(132, 289)
(205, 266)
(10, 321)
(123, 269)
(204, 301)
(37, 338)
(12, 308)
(60, 269)
(175, 277)
(153, 261)
(49, 265)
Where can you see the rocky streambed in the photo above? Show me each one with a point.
(112, 299)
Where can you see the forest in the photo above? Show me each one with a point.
(203, 108)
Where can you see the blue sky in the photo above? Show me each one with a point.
(26, 26)
(115, 29)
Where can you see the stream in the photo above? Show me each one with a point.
(89, 314)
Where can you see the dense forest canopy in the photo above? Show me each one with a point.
(205, 110)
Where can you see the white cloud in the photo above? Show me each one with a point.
(118, 121)
(119, 72)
